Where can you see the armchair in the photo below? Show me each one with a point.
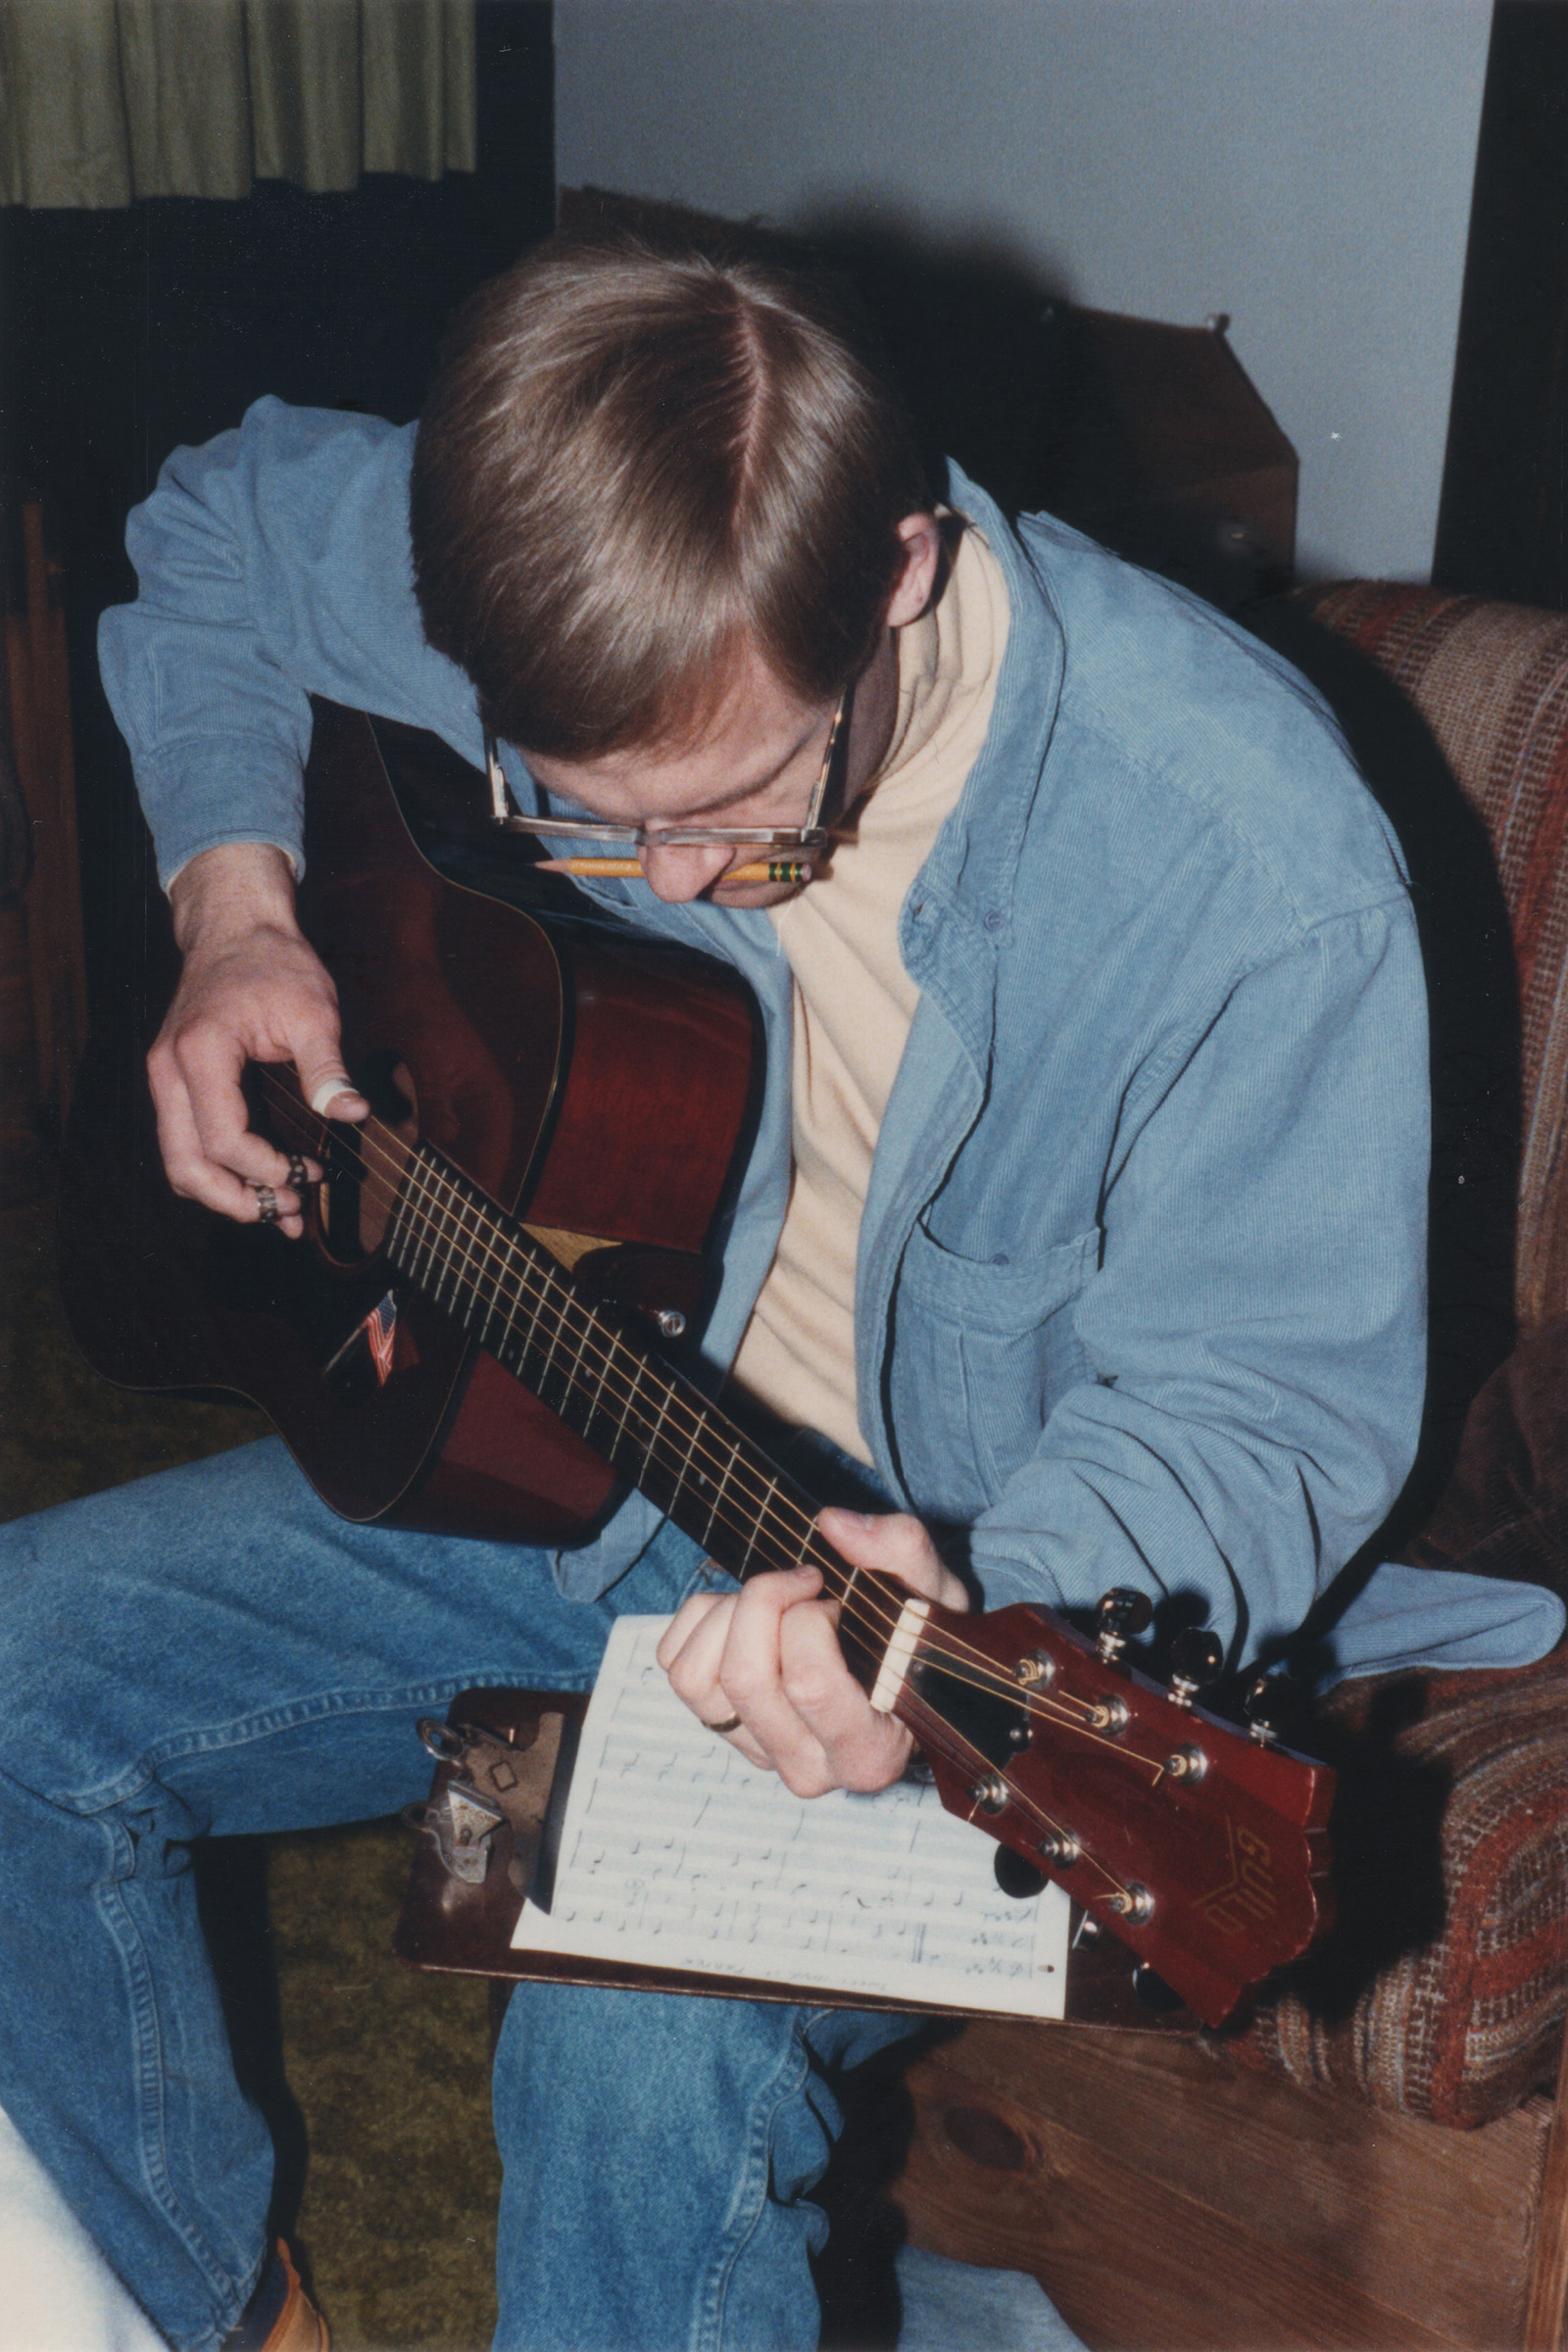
(1375, 2157)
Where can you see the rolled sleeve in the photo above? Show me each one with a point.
(273, 563)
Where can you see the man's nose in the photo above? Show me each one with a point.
(678, 874)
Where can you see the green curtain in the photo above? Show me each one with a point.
(102, 101)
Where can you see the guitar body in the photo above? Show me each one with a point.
(597, 1083)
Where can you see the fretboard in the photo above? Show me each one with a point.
(634, 1410)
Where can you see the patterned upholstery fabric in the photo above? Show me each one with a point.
(1451, 1835)
(1492, 682)
(1457, 1780)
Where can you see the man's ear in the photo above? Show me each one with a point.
(920, 537)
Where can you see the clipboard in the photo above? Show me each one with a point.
(461, 1921)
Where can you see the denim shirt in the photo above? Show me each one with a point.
(1139, 1292)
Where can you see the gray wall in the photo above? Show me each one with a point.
(1303, 164)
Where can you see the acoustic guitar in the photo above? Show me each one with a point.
(484, 1333)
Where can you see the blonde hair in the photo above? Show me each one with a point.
(642, 453)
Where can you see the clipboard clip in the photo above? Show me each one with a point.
(486, 1785)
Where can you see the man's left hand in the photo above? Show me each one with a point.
(770, 1655)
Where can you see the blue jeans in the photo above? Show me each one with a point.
(212, 1651)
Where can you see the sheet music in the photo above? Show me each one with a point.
(678, 1853)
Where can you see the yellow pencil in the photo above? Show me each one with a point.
(627, 869)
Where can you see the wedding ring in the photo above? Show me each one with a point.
(267, 1211)
(731, 1723)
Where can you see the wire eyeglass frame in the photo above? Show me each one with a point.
(810, 836)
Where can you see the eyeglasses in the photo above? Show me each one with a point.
(797, 840)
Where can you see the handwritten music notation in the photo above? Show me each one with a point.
(677, 1853)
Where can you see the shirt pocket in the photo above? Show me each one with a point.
(981, 1353)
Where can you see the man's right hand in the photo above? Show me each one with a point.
(252, 989)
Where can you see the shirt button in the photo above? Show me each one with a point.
(995, 919)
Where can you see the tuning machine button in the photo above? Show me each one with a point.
(1132, 1902)
(1016, 1877)
(1154, 1992)
(1266, 1708)
(1036, 1671)
(1196, 1658)
(1123, 1613)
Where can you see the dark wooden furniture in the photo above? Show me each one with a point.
(43, 994)
(1169, 2201)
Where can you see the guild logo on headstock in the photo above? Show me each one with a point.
(1248, 1894)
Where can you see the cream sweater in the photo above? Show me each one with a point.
(853, 1000)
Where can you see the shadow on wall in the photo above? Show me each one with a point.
(1147, 437)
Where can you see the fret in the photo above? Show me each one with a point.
(392, 1239)
(719, 1502)
(435, 1239)
(420, 1223)
(448, 1227)
(517, 1345)
(648, 1450)
(579, 1379)
(396, 1239)
(625, 1447)
(449, 1200)
(619, 1432)
(479, 1259)
(537, 1380)
(500, 1274)
(680, 1480)
(485, 1291)
(757, 1528)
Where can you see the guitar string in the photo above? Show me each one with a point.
(949, 1733)
(989, 1680)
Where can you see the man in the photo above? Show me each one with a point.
(1085, 1220)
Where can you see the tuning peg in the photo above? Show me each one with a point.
(1266, 1708)
(1122, 1616)
(1016, 1877)
(1154, 1992)
(1196, 1658)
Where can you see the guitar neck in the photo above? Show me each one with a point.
(651, 1424)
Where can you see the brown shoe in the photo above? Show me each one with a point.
(299, 2327)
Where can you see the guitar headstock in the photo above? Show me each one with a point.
(1202, 1847)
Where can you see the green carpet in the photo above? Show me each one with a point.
(376, 2079)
